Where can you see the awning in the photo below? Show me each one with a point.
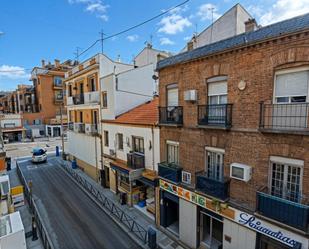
(149, 178)
(120, 166)
(147, 182)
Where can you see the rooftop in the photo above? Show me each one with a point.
(286, 27)
(145, 114)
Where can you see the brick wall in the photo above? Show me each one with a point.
(243, 143)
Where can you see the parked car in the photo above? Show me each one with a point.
(39, 155)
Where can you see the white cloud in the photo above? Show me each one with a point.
(175, 22)
(166, 41)
(96, 7)
(208, 11)
(283, 9)
(132, 38)
(13, 72)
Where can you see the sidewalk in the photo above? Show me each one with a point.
(163, 241)
(25, 214)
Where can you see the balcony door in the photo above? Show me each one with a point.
(172, 152)
(214, 164)
(172, 102)
(138, 144)
(211, 231)
(217, 100)
(286, 181)
(290, 94)
(95, 119)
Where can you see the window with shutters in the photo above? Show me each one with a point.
(172, 95)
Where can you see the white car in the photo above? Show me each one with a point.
(39, 155)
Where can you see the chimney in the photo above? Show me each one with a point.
(190, 46)
(250, 25)
(43, 63)
(118, 58)
(57, 63)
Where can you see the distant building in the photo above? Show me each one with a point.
(12, 128)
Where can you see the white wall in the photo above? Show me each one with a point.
(82, 146)
(241, 237)
(148, 56)
(129, 131)
(108, 85)
(12, 120)
(107, 66)
(187, 223)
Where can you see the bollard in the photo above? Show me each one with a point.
(34, 230)
(152, 238)
(57, 151)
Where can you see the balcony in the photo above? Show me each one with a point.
(212, 187)
(135, 160)
(170, 171)
(58, 98)
(288, 118)
(79, 127)
(215, 115)
(78, 99)
(91, 129)
(282, 210)
(92, 97)
(171, 115)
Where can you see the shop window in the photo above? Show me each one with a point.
(120, 141)
(215, 163)
(106, 140)
(172, 152)
(138, 144)
(286, 179)
(211, 231)
(104, 99)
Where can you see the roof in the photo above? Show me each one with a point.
(145, 114)
(293, 25)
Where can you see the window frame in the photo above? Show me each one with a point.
(118, 142)
(134, 138)
(175, 144)
(104, 100)
(106, 138)
(216, 151)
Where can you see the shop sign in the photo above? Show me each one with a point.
(265, 228)
(197, 199)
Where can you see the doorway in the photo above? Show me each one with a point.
(169, 212)
(211, 231)
(264, 242)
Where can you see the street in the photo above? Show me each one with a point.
(72, 219)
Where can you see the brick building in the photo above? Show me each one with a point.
(234, 140)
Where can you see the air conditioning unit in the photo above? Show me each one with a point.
(190, 95)
(240, 172)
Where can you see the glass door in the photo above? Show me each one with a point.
(211, 231)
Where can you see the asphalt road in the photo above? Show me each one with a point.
(72, 219)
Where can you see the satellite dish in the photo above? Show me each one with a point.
(155, 77)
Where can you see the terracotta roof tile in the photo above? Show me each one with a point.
(145, 114)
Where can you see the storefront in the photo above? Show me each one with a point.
(207, 223)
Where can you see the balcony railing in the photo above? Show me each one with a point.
(170, 171)
(79, 127)
(78, 99)
(287, 117)
(91, 97)
(91, 129)
(171, 115)
(212, 187)
(282, 210)
(136, 160)
(215, 115)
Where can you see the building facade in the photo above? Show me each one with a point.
(234, 141)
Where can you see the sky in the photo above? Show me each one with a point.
(32, 30)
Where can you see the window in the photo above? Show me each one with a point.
(291, 87)
(58, 81)
(286, 178)
(81, 118)
(70, 90)
(104, 99)
(138, 144)
(120, 141)
(106, 141)
(92, 84)
(172, 95)
(172, 152)
(215, 163)
(186, 177)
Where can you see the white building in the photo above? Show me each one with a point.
(131, 148)
(231, 23)
(12, 128)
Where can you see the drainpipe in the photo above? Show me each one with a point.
(153, 154)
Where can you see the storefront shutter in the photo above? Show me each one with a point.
(292, 84)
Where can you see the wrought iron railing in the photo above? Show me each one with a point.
(216, 115)
(217, 188)
(285, 211)
(78, 99)
(79, 127)
(109, 205)
(293, 116)
(171, 115)
(46, 240)
(170, 171)
(136, 160)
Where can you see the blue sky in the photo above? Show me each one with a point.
(33, 30)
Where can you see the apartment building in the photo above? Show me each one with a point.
(49, 98)
(83, 106)
(234, 140)
(131, 150)
(12, 128)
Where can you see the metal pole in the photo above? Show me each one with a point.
(62, 133)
